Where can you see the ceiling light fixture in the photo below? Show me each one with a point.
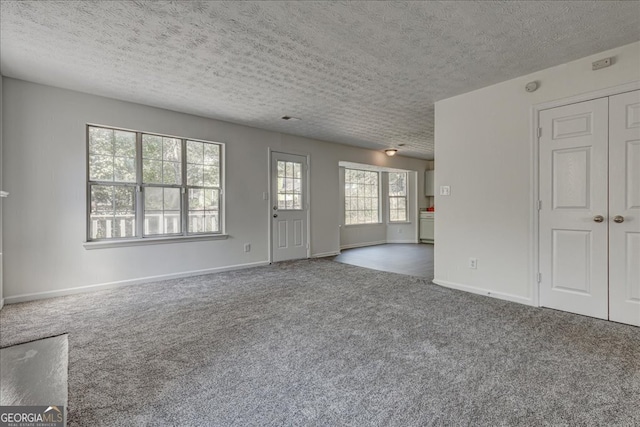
(390, 152)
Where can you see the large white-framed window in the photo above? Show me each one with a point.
(398, 196)
(361, 197)
(146, 185)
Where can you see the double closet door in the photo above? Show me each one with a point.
(589, 230)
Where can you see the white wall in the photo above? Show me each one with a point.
(45, 171)
(483, 150)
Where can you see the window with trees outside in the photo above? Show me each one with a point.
(147, 185)
(397, 196)
(361, 197)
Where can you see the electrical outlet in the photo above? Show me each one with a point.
(445, 190)
(247, 247)
(473, 263)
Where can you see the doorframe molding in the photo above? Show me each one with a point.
(307, 156)
(534, 168)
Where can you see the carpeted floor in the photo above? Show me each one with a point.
(322, 343)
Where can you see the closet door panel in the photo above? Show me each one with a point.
(573, 192)
(624, 208)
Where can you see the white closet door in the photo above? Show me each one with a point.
(624, 205)
(573, 191)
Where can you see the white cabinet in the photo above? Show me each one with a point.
(429, 183)
(426, 226)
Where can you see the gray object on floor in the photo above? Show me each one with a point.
(34, 373)
(317, 342)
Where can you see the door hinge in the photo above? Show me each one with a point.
(539, 204)
(539, 132)
(539, 277)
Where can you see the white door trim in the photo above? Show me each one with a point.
(534, 189)
(270, 152)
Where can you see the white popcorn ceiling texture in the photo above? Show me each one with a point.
(359, 73)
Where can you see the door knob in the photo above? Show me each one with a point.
(275, 208)
(618, 218)
(598, 218)
(275, 215)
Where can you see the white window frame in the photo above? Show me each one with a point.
(378, 198)
(140, 237)
(405, 197)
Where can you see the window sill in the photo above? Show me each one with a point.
(104, 244)
(363, 225)
(399, 223)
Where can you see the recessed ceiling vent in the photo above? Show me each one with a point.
(290, 118)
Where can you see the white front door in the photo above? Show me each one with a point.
(573, 215)
(289, 207)
(624, 208)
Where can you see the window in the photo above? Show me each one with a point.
(147, 185)
(397, 196)
(361, 197)
(289, 185)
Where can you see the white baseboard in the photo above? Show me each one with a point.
(486, 292)
(403, 241)
(129, 282)
(1, 303)
(325, 254)
(361, 245)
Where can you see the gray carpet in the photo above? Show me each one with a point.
(322, 343)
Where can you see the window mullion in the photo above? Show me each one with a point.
(139, 188)
(88, 190)
(185, 190)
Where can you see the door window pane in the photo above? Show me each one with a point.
(289, 185)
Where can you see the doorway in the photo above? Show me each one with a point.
(289, 213)
(589, 207)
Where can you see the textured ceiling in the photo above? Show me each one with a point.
(360, 73)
